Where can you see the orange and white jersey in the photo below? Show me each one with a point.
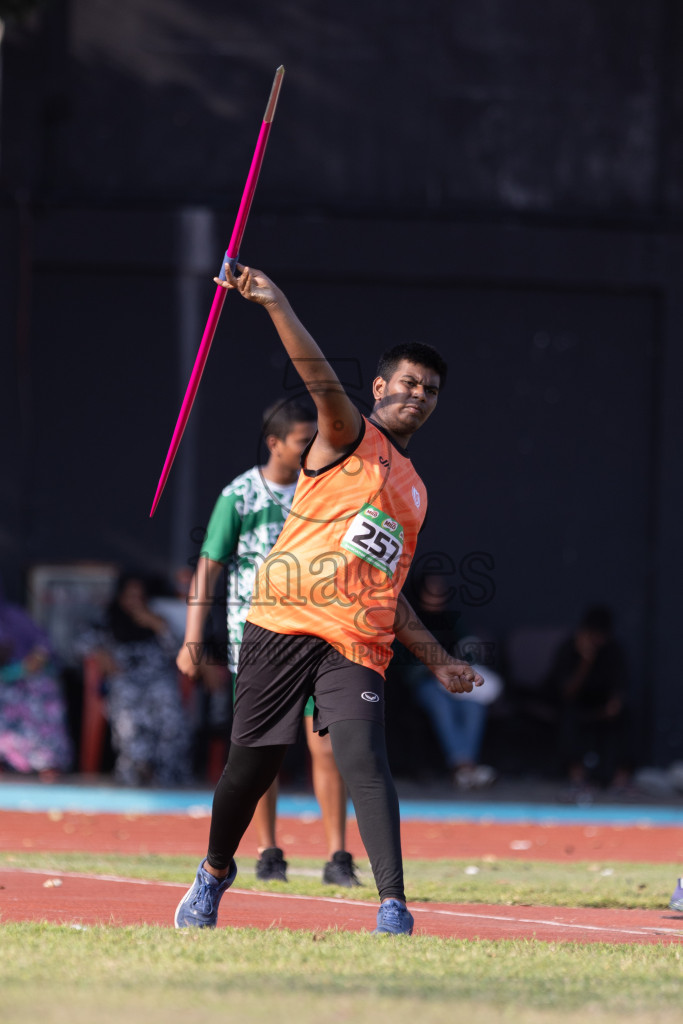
(338, 566)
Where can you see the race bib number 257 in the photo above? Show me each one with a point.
(376, 538)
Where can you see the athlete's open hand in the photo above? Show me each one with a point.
(251, 284)
(457, 676)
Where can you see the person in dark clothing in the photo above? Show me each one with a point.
(457, 719)
(587, 684)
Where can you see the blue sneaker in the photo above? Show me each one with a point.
(677, 898)
(199, 906)
(393, 918)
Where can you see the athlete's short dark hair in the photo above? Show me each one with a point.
(598, 619)
(281, 417)
(415, 352)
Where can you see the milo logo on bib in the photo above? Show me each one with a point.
(376, 538)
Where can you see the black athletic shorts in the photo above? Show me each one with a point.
(278, 672)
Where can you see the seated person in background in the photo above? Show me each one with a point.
(458, 719)
(33, 729)
(208, 697)
(136, 654)
(587, 684)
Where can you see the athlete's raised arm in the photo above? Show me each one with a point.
(339, 421)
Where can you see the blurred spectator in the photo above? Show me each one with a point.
(33, 730)
(457, 719)
(586, 685)
(209, 696)
(136, 653)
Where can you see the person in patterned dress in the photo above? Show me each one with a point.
(245, 523)
(135, 650)
(33, 718)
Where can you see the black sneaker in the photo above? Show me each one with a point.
(271, 865)
(340, 870)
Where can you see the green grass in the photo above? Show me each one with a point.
(580, 884)
(144, 975)
(52, 973)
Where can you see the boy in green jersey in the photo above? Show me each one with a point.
(245, 523)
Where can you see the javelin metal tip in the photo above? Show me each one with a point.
(274, 93)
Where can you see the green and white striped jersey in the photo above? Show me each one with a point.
(245, 523)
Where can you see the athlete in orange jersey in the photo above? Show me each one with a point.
(338, 566)
(326, 607)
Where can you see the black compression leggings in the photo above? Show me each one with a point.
(248, 773)
(360, 752)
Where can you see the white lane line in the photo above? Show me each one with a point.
(469, 915)
(534, 920)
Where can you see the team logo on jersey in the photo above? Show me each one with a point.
(416, 497)
(371, 697)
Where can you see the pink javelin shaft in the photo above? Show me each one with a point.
(231, 257)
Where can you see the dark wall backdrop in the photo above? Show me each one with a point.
(500, 179)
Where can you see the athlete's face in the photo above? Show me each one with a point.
(287, 451)
(405, 401)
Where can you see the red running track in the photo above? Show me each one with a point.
(183, 834)
(86, 900)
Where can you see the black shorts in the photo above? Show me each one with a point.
(278, 672)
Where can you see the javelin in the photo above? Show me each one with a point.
(231, 257)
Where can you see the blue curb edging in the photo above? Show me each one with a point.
(107, 800)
